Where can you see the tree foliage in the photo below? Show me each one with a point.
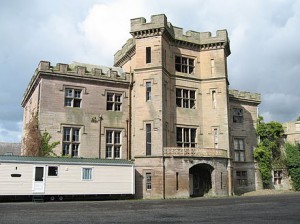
(293, 163)
(35, 143)
(46, 146)
(32, 140)
(268, 151)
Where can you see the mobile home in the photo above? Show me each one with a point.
(60, 177)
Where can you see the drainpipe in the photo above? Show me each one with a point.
(100, 127)
(130, 115)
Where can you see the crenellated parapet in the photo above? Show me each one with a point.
(245, 96)
(159, 26)
(126, 52)
(78, 70)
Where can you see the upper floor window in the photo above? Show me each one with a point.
(239, 149)
(216, 138)
(71, 141)
(185, 98)
(148, 91)
(148, 55)
(238, 116)
(114, 101)
(113, 144)
(72, 97)
(186, 137)
(183, 64)
(148, 139)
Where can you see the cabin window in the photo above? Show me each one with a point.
(114, 101)
(73, 97)
(185, 98)
(52, 171)
(87, 173)
(113, 144)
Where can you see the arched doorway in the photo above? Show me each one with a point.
(200, 180)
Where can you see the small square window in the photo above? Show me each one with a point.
(52, 171)
(87, 173)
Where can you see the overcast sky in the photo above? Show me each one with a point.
(264, 38)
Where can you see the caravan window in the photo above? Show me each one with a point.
(86, 173)
(52, 171)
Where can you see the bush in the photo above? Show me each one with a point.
(293, 164)
(263, 157)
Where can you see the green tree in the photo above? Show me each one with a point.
(293, 163)
(268, 152)
(46, 146)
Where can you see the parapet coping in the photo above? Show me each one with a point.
(243, 95)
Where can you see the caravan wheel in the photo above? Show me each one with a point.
(60, 198)
(52, 198)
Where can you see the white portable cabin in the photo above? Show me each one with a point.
(20, 175)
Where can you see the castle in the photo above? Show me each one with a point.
(166, 105)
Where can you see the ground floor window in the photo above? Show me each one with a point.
(113, 144)
(148, 181)
(241, 178)
(277, 177)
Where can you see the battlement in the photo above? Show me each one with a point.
(75, 69)
(159, 26)
(242, 95)
(159, 23)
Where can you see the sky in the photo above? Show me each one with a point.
(264, 41)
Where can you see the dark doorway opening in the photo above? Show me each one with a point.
(200, 180)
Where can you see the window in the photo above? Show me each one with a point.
(52, 171)
(237, 115)
(214, 99)
(216, 138)
(185, 98)
(148, 181)
(148, 91)
(186, 137)
(239, 149)
(241, 178)
(277, 177)
(70, 141)
(114, 101)
(113, 144)
(184, 65)
(148, 139)
(148, 55)
(87, 173)
(72, 97)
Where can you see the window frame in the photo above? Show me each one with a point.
(148, 55)
(186, 137)
(237, 115)
(114, 103)
(113, 149)
(71, 141)
(184, 64)
(148, 181)
(148, 139)
(71, 100)
(48, 171)
(241, 178)
(239, 152)
(185, 98)
(87, 176)
(148, 90)
(277, 177)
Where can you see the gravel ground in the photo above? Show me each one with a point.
(267, 192)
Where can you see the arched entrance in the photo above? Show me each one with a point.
(200, 180)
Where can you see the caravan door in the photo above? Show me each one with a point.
(39, 180)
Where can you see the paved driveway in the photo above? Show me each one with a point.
(284, 208)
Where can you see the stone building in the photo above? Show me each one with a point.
(166, 105)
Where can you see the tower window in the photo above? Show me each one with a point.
(184, 65)
(148, 55)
